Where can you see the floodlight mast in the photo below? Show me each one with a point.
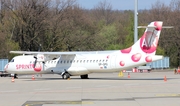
(135, 20)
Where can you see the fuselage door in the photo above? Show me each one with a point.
(113, 61)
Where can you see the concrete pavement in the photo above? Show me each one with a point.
(102, 89)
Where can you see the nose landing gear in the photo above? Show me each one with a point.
(15, 76)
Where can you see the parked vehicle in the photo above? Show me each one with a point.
(4, 74)
(144, 68)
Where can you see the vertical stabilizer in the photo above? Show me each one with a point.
(148, 43)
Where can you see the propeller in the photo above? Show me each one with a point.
(35, 61)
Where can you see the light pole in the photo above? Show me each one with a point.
(135, 20)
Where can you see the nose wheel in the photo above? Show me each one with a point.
(15, 76)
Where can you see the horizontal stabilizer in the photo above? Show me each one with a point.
(155, 27)
(157, 57)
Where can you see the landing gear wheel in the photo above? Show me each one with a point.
(84, 76)
(66, 76)
(15, 76)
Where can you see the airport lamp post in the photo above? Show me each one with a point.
(135, 20)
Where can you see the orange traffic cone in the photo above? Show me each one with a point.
(165, 78)
(128, 75)
(33, 77)
(12, 80)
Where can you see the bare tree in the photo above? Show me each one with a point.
(103, 11)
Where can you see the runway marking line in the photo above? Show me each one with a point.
(34, 103)
(87, 102)
(168, 95)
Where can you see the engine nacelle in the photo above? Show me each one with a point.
(44, 58)
(40, 57)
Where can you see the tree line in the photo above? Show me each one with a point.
(62, 25)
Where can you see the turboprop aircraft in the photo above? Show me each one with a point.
(83, 63)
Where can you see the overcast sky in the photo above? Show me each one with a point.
(121, 4)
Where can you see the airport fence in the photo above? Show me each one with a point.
(160, 64)
(3, 62)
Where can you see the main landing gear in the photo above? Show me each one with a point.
(84, 76)
(65, 75)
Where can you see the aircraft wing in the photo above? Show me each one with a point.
(44, 53)
(60, 53)
(48, 55)
(154, 27)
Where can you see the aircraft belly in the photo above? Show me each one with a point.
(104, 70)
(77, 71)
(71, 70)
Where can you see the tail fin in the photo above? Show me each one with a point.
(147, 44)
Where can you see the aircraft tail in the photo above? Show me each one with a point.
(148, 43)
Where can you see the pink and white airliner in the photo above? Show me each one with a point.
(85, 62)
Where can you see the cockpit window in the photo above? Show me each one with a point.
(12, 60)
